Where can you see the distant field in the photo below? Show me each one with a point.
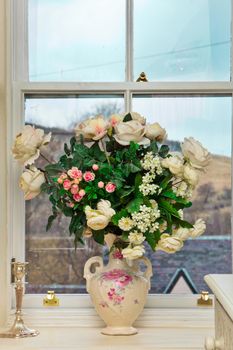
(212, 198)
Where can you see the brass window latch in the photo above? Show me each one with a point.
(204, 299)
(142, 78)
(51, 299)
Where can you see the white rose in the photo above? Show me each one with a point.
(130, 131)
(27, 145)
(115, 119)
(169, 244)
(136, 238)
(195, 153)
(174, 164)
(100, 218)
(133, 253)
(105, 207)
(155, 132)
(198, 228)
(96, 220)
(190, 175)
(182, 233)
(92, 129)
(138, 117)
(30, 182)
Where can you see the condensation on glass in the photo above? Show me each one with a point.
(207, 119)
(76, 40)
(53, 262)
(182, 40)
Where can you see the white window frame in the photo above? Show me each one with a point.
(18, 80)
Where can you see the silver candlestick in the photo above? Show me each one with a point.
(19, 330)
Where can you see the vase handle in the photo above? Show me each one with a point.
(148, 273)
(87, 268)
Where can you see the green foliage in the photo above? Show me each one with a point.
(134, 204)
(152, 238)
(121, 167)
(98, 236)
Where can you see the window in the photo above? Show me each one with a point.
(84, 57)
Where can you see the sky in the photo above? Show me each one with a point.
(85, 41)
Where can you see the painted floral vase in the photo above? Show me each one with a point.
(118, 291)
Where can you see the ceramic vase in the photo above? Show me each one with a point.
(118, 291)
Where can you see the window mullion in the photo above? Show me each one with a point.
(20, 40)
(129, 40)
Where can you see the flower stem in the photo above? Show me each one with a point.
(45, 158)
(105, 151)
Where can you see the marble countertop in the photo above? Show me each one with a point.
(222, 287)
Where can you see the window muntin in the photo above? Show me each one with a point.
(76, 40)
(182, 40)
(208, 119)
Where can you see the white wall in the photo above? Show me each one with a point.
(3, 166)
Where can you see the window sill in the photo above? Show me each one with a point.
(163, 329)
(150, 317)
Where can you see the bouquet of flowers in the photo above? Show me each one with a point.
(116, 177)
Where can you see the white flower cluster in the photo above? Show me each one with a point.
(152, 163)
(145, 218)
(182, 189)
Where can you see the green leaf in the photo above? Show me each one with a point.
(81, 150)
(98, 236)
(170, 194)
(96, 152)
(127, 117)
(66, 149)
(164, 150)
(122, 213)
(54, 169)
(125, 192)
(153, 147)
(184, 223)
(51, 218)
(134, 205)
(164, 183)
(168, 207)
(152, 238)
(72, 143)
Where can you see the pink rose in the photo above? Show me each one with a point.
(74, 189)
(62, 177)
(88, 176)
(110, 187)
(67, 184)
(75, 173)
(95, 167)
(101, 184)
(77, 197)
(82, 193)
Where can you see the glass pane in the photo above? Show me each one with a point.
(182, 40)
(208, 119)
(76, 40)
(54, 264)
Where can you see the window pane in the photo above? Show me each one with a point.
(207, 119)
(54, 264)
(182, 40)
(76, 40)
